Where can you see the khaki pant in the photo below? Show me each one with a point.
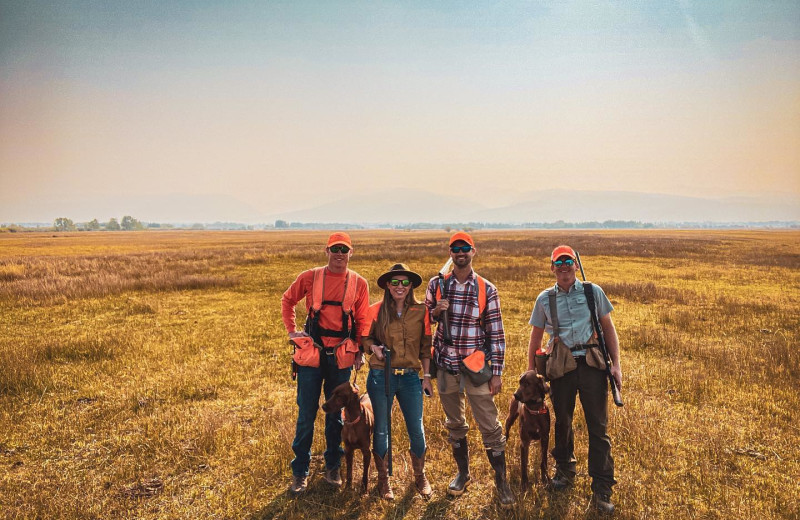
(452, 390)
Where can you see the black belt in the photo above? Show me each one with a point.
(331, 351)
(399, 371)
(403, 371)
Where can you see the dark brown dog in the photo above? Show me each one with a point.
(358, 423)
(534, 419)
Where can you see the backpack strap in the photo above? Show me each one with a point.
(318, 289)
(588, 291)
(350, 285)
(551, 296)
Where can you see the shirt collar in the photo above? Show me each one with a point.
(577, 286)
(470, 278)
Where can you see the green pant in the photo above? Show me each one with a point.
(592, 386)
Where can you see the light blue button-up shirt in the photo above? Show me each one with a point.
(574, 320)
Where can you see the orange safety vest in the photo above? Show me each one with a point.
(318, 301)
(481, 293)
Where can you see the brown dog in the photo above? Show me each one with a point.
(358, 422)
(534, 419)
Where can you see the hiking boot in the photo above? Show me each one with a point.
(420, 480)
(299, 484)
(332, 477)
(498, 461)
(458, 485)
(602, 503)
(382, 465)
(560, 482)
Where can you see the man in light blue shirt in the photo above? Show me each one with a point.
(588, 379)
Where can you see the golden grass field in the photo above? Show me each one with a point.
(146, 375)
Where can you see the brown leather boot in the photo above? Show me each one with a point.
(420, 480)
(384, 489)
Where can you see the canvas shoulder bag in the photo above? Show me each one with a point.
(560, 361)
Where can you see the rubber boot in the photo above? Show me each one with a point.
(384, 489)
(498, 461)
(420, 480)
(459, 483)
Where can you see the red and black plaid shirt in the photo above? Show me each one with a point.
(465, 327)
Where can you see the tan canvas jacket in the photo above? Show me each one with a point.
(408, 337)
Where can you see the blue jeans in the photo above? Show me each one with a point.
(408, 390)
(310, 381)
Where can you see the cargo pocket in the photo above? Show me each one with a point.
(346, 353)
(560, 361)
(594, 358)
(306, 352)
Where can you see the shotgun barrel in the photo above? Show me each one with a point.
(615, 393)
(387, 380)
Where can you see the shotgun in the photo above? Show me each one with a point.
(615, 394)
(444, 321)
(387, 381)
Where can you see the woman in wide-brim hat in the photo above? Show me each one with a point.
(400, 323)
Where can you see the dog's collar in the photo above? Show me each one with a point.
(541, 411)
(350, 423)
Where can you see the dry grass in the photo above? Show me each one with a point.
(145, 375)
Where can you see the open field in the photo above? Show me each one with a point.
(146, 375)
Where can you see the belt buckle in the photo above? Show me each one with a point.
(399, 371)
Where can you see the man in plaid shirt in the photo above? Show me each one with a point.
(469, 332)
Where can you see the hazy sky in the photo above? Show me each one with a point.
(279, 105)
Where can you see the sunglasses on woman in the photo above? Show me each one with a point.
(394, 282)
(568, 262)
(339, 249)
(461, 249)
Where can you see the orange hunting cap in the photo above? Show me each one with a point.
(562, 251)
(462, 236)
(339, 238)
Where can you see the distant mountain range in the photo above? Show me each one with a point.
(550, 206)
(409, 207)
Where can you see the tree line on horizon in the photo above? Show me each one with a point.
(129, 223)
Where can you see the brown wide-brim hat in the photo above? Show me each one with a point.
(402, 269)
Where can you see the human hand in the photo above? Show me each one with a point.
(616, 371)
(495, 384)
(377, 350)
(427, 386)
(441, 306)
(359, 361)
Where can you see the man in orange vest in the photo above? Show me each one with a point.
(472, 306)
(337, 301)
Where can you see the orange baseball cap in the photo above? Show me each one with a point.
(562, 251)
(339, 238)
(462, 236)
